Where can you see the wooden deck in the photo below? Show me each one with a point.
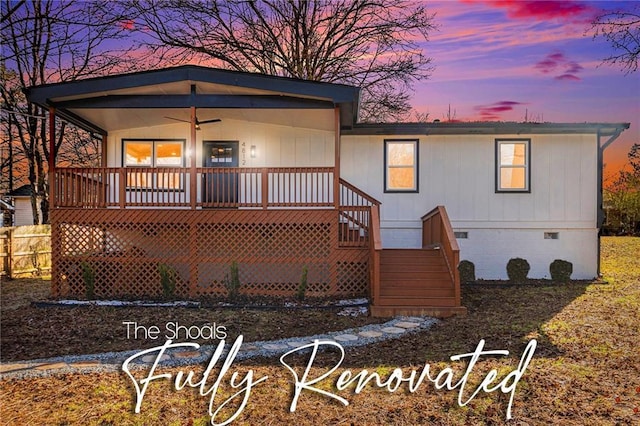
(124, 225)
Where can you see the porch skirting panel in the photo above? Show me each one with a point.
(127, 252)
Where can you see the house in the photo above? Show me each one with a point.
(204, 168)
(22, 211)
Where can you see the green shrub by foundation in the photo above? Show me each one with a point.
(517, 269)
(561, 270)
(467, 271)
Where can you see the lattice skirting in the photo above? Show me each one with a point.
(123, 252)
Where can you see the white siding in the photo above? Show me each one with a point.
(276, 145)
(23, 215)
(459, 173)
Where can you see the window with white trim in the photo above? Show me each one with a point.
(513, 158)
(401, 165)
(158, 153)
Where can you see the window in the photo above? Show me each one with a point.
(153, 153)
(513, 173)
(401, 165)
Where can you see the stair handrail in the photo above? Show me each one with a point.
(370, 200)
(437, 230)
(375, 247)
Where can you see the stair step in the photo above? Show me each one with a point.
(417, 283)
(392, 274)
(415, 301)
(414, 293)
(409, 254)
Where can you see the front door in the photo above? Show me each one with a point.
(220, 188)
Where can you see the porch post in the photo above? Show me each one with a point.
(192, 147)
(103, 157)
(52, 157)
(336, 171)
(56, 285)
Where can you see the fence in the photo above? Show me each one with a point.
(25, 251)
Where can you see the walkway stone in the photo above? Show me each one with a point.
(275, 346)
(85, 364)
(187, 354)
(370, 334)
(53, 366)
(15, 367)
(346, 337)
(152, 358)
(407, 324)
(393, 330)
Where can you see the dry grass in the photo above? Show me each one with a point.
(586, 369)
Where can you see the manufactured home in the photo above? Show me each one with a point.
(207, 170)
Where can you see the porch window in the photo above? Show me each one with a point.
(140, 153)
(401, 165)
(513, 165)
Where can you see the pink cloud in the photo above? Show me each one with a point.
(492, 112)
(544, 10)
(558, 63)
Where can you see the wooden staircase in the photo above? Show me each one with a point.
(421, 281)
(415, 282)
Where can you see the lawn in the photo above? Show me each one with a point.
(585, 370)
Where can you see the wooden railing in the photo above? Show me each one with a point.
(437, 231)
(375, 247)
(123, 187)
(355, 216)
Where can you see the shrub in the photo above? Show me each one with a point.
(168, 276)
(302, 288)
(89, 278)
(517, 269)
(232, 281)
(561, 270)
(467, 271)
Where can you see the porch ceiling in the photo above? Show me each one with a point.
(117, 119)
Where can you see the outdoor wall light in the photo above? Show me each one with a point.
(253, 151)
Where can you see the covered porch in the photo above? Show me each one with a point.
(210, 211)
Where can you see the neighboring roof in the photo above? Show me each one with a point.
(186, 86)
(486, 128)
(22, 191)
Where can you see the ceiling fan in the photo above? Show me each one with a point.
(198, 122)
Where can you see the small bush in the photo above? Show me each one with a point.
(168, 276)
(467, 271)
(232, 282)
(517, 269)
(561, 270)
(89, 278)
(302, 288)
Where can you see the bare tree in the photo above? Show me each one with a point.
(47, 41)
(622, 30)
(373, 44)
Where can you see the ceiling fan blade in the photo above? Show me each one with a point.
(178, 119)
(215, 120)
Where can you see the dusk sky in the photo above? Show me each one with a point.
(496, 60)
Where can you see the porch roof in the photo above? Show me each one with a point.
(486, 128)
(104, 103)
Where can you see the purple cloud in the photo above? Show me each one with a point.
(558, 63)
(492, 112)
